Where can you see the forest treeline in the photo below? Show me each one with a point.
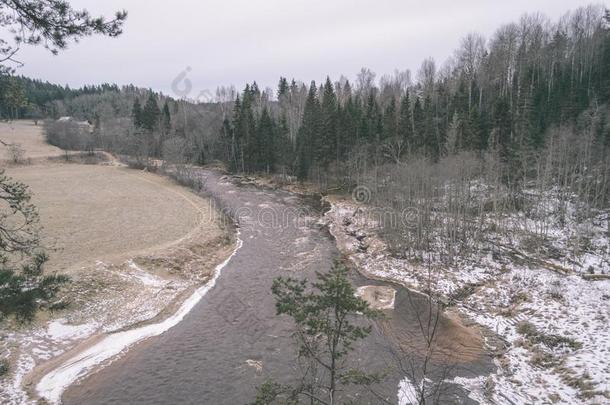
(524, 116)
(22, 97)
(504, 93)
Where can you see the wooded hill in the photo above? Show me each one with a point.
(506, 95)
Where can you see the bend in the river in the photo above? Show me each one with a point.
(210, 357)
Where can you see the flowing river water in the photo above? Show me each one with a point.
(215, 354)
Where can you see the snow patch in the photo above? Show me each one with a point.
(145, 277)
(406, 392)
(53, 384)
(58, 330)
(549, 291)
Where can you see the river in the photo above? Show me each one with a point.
(211, 357)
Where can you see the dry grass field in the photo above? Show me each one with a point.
(29, 136)
(91, 213)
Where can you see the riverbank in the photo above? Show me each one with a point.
(553, 324)
(136, 246)
(543, 321)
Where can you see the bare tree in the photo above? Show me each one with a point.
(16, 153)
(52, 23)
(365, 82)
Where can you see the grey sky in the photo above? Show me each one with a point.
(237, 41)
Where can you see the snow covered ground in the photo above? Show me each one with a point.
(554, 317)
(53, 384)
(106, 302)
(126, 297)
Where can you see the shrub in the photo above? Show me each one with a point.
(550, 340)
(4, 367)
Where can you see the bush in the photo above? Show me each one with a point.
(16, 153)
(4, 367)
(550, 340)
(68, 135)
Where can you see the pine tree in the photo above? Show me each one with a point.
(166, 120)
(503, 129)
(453, 131)
(373, 127)
(405, 121)
(283, 144)
(255, 93)
(226, 138)
(136, 113)
(418, 127)
(310, 128)
(235, 137)
(347, 127)
(265, 143)
(329, 319)
(24, 287)
(432, 144)
(390, 122)
(282, 88)
(246, 131)
(327, 144)
(13, 97)
(151, 113)
(469, 131)
(605, 63)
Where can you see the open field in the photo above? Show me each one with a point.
(29, 136)
(91, 212)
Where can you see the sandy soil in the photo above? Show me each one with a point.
(378, 297)
(135, 245)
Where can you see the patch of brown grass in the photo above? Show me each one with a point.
(30, 137)
(91, 213)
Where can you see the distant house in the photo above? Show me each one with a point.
(83, 125)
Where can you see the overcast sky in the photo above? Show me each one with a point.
(238, 41)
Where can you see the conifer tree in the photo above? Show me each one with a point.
(247, 130)
(151, 113)
(390, 122)
(605, 62)
(477, 137)
(418, 126)
(347, 127)
(329, 319)
(136, 113)
(310, 128)
(432, 144)
(405, 121)
(235, 137)
(502, 128)
(327, 143)
(373, 128)
(265, 144)
(282, 88)
(283, 148)
(166, 119)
